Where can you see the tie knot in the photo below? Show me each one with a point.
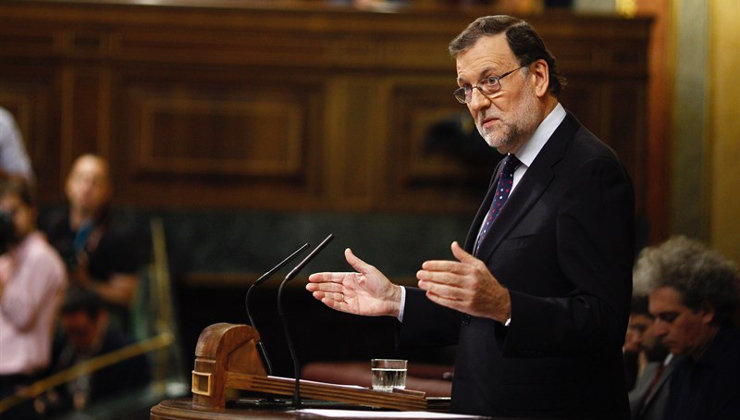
(510, 165)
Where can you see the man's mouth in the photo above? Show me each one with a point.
(488, 121)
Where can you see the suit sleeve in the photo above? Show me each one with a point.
(426, 323)
(594, 243)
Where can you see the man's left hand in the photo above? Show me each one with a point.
(465, 285)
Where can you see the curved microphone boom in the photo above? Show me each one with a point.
(262, 279)
(291, 348)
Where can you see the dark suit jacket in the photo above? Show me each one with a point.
(652, 406)
(708, 388)
(564, 246)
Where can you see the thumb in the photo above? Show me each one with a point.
(461, 255)
(356, 263)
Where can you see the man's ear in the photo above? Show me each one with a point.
(540, 72)
(708, 312)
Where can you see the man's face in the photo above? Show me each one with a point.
(681, 329)
(638, 333)
(88, 186)
(80, 329)
(508, 117)
(22, 215)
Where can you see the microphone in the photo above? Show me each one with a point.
(262, 279)
(291, 348)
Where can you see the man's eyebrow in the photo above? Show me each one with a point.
(667, 314)
(483, 73)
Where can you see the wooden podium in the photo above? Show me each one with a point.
(226, 357)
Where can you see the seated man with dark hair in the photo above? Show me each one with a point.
(649, 361)
(634, 355)
(88, 334)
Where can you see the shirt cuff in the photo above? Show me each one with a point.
(403, 304)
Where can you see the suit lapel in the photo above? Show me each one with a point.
(530, 187)
(656, 390)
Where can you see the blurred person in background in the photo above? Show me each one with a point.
(648, 365)
(99, 254)
(13, 156)
(638, 328)
(86, 334)
(32, 281)
(693, 294)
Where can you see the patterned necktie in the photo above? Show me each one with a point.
(503, 188)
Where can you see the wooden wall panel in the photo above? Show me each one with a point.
(289, 106)
(30, 93)
(181, 133)
(353, 138)
(247, 142)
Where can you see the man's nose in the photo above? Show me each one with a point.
(660, 328)
(478, 100)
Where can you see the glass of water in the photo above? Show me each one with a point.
(388, 374)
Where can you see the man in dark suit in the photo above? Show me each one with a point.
(650, 395)
(538, 298)
(694, 293)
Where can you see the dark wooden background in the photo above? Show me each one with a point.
(251, 127)
(227, 105)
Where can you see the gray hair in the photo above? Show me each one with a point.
(697, 273)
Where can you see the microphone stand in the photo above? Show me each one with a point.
(291, 348)
(262, 279)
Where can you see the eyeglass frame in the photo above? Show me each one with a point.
(468, 99)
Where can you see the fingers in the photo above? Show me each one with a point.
(330, 294)
(328, 297)
(330, 277)
(443, 291)
(356, 263)
(451, 280)
(445, 266)
(438, 276)
(465, 285)
(466, 263)
(461, 266)
(336, 300)
(324, 287)
(461, 255)
(324, 277)
(446, 301)
(442, 272)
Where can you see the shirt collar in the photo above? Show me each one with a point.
(531, 148)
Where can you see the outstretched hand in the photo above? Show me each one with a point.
(365, 292)
(465, 285)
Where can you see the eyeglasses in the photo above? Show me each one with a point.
(487, 86)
